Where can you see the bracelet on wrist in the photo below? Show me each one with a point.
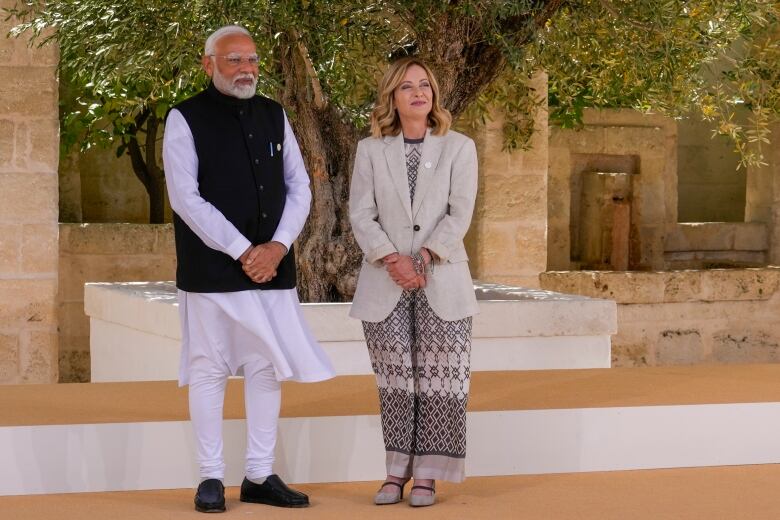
(418, 262)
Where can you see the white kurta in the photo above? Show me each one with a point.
(235, 328)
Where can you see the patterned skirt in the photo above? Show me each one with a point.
(422, 371)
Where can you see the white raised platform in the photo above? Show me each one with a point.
(132, 436)
(134, 331)
(159, 455)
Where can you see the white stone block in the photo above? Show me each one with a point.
(135, 332)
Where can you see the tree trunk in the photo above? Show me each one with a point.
(145, 164)
(156, 191)
(156, 185)
(328, 256)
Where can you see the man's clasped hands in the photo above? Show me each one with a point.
(260, 262)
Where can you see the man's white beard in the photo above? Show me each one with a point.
(230, 88)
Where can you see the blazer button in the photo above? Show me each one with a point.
(263, 215)
(261, 187)
(416, 227)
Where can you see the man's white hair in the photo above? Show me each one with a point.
(211, 41)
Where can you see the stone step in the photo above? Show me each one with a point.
(131, 436)
(134, 331)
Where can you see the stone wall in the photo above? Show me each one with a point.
(710, 188)
(29, 146)
(686, 317)
(706, 245)
(507, 242)
(613, 141)
(95, 186)
(103, 253)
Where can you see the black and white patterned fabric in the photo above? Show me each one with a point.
(422, 370)
(413, 149)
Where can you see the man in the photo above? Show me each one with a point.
(240, 194)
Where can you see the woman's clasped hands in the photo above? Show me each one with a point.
(402, 272)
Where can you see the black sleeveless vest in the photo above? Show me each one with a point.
(239, 143)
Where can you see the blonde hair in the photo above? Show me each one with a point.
(384, 117)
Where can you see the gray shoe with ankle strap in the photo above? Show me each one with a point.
(422, 500)
(393, 496)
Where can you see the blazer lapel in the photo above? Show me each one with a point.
(429, 158)
(396, 163)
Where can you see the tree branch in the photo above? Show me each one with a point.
(314, 80)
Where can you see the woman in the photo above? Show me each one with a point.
(411, 200)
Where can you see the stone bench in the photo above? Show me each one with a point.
(134, 331)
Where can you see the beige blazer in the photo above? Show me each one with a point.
(385, 221)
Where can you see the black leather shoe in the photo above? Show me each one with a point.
(210, 497)
(273, 492)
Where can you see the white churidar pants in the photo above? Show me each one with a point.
(260, 334)
(263, 397)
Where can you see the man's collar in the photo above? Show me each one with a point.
(224, 98)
